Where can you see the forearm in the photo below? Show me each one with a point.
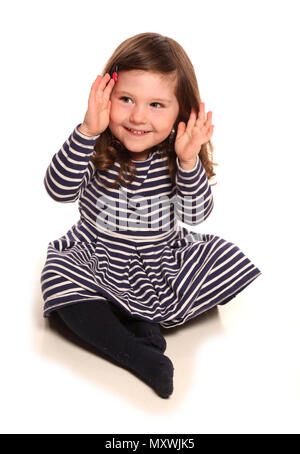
(194, 199)
(70, 168)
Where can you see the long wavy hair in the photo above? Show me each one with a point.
(159, 54)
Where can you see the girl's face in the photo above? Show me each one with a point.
(142, 101)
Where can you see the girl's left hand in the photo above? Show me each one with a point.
(198, 131)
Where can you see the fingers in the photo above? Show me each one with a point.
(104, 81)
(108, 89)
(209, 119)
(191, 122)
(201, 114)
(101, 82)
(180, 129)
(201, 117)
(199, 121)
(102, 87)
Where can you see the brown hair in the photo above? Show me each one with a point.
(159, 54)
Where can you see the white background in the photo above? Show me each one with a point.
(236, 367)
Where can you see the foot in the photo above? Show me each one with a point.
(153, 368)
(149, 333)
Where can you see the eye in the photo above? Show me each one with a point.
(124, 97)
(158, 104)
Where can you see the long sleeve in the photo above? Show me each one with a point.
(194, 199)
(70, 169)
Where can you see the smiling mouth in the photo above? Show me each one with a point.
(136, 132)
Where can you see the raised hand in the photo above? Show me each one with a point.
(190, 138)
(96, 118)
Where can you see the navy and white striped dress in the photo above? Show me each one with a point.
(128, 247)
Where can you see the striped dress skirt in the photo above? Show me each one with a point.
(167, 281)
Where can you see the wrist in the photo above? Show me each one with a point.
(188, 165)
(86, 132)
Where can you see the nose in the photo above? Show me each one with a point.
(138, 115)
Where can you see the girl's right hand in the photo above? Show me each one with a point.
(96, 118)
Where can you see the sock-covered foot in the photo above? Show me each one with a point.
(149, 333)
(153, 367)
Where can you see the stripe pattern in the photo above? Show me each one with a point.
(128, 247)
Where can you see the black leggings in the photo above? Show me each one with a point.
(135, 345)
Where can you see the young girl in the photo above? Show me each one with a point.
(140, 161)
